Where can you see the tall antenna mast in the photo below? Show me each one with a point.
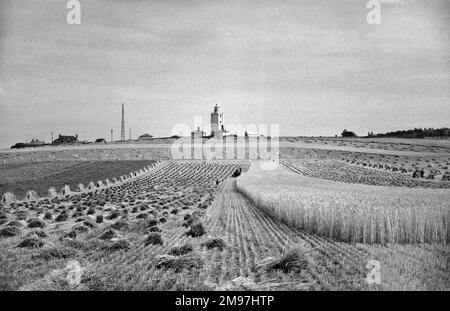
(112, 137)
(122, 128)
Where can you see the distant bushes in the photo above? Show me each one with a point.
(346, 133)
(417, 133)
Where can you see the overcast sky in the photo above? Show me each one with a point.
(313, 67)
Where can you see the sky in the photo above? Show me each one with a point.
(312, 67)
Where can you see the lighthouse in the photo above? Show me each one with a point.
(217, 126)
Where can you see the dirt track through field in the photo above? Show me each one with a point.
(252, 236)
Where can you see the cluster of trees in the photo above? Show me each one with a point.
(417, 133)
(346, 133)
(26, 145)
(32, 143)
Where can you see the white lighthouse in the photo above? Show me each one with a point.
(217, 126)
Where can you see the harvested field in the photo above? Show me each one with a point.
(387, 161)
(91, 152)
(251, 239)
(188, 186)
(40, 176)
(389, 145)
(129, 237)
(343, 172)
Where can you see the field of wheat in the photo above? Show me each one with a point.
(350, 212)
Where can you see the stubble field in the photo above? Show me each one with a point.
(314, 223)
(19, 178)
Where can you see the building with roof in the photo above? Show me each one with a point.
(100, 141)
(65, 139)
(145, 137)
(36, 142)
(198, 134)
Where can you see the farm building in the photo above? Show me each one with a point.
(145, 137)
(36, 142)
(250, 134)
(198, 133)
(100, 141)
(63, 139)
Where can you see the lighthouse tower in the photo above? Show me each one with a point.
(217, 126)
